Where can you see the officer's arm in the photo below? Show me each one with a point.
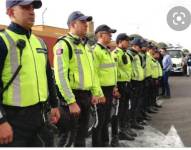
(51, 86)
(61, 69)
(96, 63)
(96, 88)
(3, 54)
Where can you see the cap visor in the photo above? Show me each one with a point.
(112, 31)
(36, 3)
(85, 18)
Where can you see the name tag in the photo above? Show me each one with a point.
(78, 51)
(41, 50)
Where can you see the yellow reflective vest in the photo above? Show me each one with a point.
(124, 68)
(76, 72)
(137, 69)
(156, 69)
(105, 66)
(30, 85)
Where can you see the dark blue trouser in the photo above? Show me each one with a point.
(166, 84)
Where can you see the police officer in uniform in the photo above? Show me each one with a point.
(146, 63)
(137, 82)
(124, 72)
(26, 81)
(75, 75)
(107, 78)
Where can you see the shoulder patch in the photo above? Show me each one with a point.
(59, 51)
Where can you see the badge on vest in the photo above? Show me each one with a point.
(78, 51)
(41, 50)
(59, 51)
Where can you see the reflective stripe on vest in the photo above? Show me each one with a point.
(14, 65)
(61, 75)
(81, 72)
(43, 46)
(107, 65)
(80, 68)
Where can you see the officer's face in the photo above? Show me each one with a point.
(137, 48)
(125, 44)
(156, 55)
(80, 27)
(22, 15)
(106, 37)
(151, 51)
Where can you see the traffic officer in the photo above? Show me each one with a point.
(124, 72)
(107, 78)
(137, 82)
(146, 63)
(75, 75)
(156, 73)
(26, 81)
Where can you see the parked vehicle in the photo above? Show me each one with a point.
(178, 61)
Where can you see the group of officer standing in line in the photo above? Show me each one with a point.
(84, 76)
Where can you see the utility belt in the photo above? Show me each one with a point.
(148, 78)
(38, 106)
(81, 91)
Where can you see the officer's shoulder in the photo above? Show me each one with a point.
(116, 51)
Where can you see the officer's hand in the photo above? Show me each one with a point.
(6, 133)
(102, 100)
(116, 93)
(94, 100)
(54, 115)
(74, 109)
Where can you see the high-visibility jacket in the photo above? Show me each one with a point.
(124, 68)
(160, 69)
(156, 69)
(30, 85)
(105, 66)
(137, 69)
(148, 70)
(76, 72)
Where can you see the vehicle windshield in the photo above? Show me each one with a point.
(175, 53)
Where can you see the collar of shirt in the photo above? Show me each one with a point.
(102, 46)
(19, 29)
(124, 50)
(83, 41)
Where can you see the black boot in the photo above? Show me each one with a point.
(131, 132)
(157, 106)
(151, 111)
(115, 141)
(125, 136)
(135, 125)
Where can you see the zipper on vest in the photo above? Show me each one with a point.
(35, 70)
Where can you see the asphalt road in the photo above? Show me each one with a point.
(177, 110)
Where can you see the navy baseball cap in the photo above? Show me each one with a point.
(104, 28)
(144, 43)
(122, 37)
(77, 15)
(137, 41)
(36, 3)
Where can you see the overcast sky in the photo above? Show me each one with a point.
(144, 17)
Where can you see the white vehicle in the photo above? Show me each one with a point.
(177, 58)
